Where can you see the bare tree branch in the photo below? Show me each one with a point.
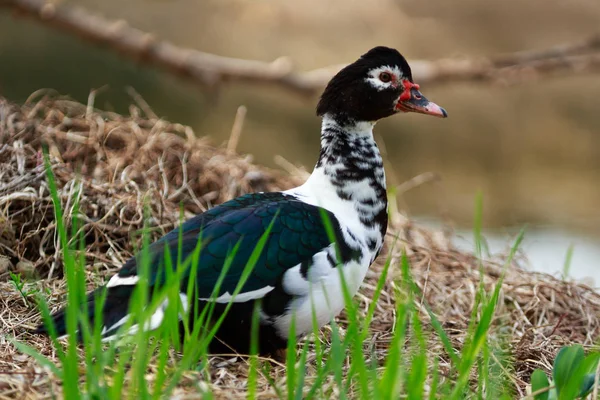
(560, 51)
(211, 70)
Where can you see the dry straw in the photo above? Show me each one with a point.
(119, 163)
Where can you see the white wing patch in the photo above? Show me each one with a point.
(297, 285)
(154, 322)
(294, 283)
(157, 318)
(325, 298)
(241, 297)
(117, 280)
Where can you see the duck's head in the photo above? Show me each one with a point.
(375, 86)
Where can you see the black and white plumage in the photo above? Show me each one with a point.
(299, 266)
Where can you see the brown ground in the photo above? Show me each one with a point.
(120, 161)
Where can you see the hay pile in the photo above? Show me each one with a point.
(121, 163)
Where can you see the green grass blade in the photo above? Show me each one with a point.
(49, 324)
(470, 352)
(301, 374)
(337, 359)
(435, 377)
(378, 289)
(161, 373)
(439, 329)
(567, 263)
(37, 356)
(415, 383)
(253, 372)
(291, 358)
(70, 362)
(266, 372)
(392, 380)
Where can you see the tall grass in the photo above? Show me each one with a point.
(117, 369)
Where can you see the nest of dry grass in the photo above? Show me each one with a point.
(121, 163)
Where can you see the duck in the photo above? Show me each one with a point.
(316, 238)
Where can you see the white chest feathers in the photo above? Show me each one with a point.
(318, 295)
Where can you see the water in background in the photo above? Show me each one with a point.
(546, 250)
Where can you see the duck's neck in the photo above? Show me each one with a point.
(351, 167)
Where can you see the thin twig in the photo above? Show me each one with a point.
(417, 181)
(560, 319)
(236, 130)
(142, 104)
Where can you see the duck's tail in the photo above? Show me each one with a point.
(115, 312)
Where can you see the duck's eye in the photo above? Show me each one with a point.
(385, 77)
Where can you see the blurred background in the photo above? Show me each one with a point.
(532, 148)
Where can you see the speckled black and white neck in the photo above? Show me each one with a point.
(351, 160)
(349, 181)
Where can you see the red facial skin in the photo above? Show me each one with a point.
(406, 95)
(408, 85)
